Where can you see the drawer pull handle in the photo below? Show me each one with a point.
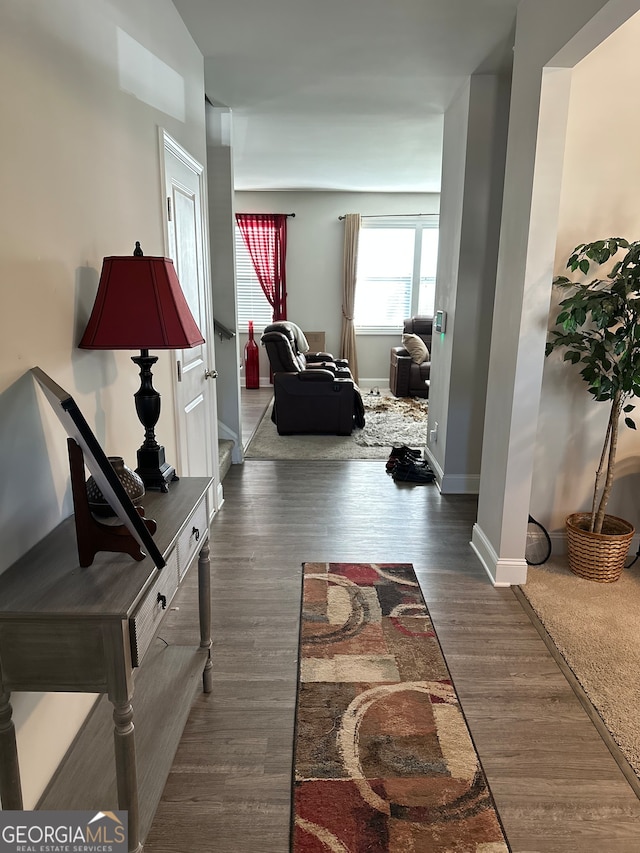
(162, 599)
(195, 532)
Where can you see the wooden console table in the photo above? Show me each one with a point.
(72, 629)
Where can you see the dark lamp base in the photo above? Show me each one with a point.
(154, 471)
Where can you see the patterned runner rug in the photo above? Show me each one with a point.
(384, 761)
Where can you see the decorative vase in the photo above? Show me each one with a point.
(251, 361)
(598, 556)
(133, 486)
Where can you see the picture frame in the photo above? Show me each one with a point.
(98, 464)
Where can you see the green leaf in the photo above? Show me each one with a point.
(629, 423)
(615, 269)
(598, 321)
(629, 408)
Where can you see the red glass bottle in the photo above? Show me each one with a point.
(251, 361)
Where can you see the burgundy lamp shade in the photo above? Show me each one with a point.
(140, 305)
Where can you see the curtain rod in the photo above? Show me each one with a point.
(286, 214)
(388, 215)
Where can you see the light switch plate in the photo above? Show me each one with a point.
(440, 321)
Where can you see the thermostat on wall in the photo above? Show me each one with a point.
(440, 321)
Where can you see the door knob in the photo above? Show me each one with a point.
(211, 374)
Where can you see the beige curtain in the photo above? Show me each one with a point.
(350, 263)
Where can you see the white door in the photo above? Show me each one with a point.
(186, 245)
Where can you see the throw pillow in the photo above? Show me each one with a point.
(416, 348)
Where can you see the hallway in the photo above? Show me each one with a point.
(555, 784)
(253, 404)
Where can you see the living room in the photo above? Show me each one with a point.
(80, 176)
(315, 241)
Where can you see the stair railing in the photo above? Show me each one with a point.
(221, 330)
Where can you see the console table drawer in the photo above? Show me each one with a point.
(61, 655)
(149, 613)
(192, 537)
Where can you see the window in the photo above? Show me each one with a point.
(252, 303)
(396, 276)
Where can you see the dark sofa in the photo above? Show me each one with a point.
(406, 377)
(313, 392)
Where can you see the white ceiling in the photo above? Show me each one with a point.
(343, 94)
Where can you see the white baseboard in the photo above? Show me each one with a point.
(264, 382)
(433, 463)
(501, 572)
(226, 432)
(559, 543)
(459, 484)
(452, 484)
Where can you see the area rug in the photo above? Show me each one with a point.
(384, 762)
(388, 421)
(594, 626)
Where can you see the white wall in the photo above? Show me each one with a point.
(456, 128)
(223, 274)
(547, 34)
(83, 90)
(472, 183)
(599, 198)
(314, 262)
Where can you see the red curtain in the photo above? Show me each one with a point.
(265, 236)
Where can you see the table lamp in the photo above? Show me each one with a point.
(140, 305)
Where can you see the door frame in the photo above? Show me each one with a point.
(167, 144)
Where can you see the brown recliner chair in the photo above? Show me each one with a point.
(313, 393)
(283, 341)
(313, 401)
(407, 377)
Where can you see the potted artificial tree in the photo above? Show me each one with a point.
(599, 324)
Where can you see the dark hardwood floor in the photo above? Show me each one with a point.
(254, 402)
(557, 788)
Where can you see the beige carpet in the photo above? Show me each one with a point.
(388, 421)
(596, 628)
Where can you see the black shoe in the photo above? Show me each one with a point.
(408, 472)
(403, 450)
(402, 454)
(420, 464)
(408, 462)
(402, 459)
(405, 460)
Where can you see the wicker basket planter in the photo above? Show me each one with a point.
(598, 556)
